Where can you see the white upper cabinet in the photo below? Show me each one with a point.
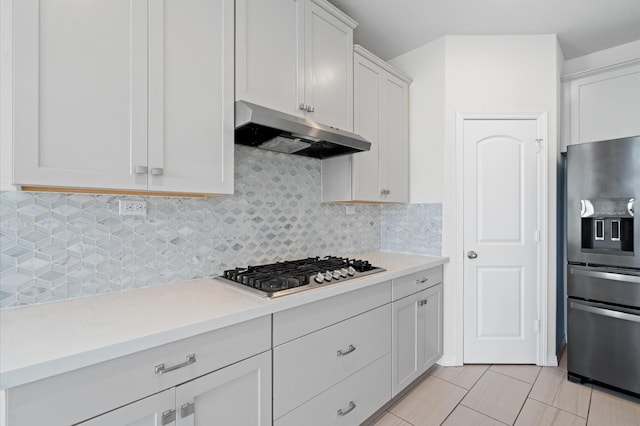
(124, 95)
(605, 105)
(381, 115)
(296, 56)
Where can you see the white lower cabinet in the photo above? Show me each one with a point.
(219, 377)
(349, 402)
(338, 373)
(239, 394)
(155, 410)
(417, 335)
(236, 395)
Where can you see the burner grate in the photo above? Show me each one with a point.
(282, 276)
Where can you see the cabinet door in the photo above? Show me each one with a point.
(606, 105)
(328, 67)
(80, 93)
(394, 139)
(238, 395)
(405, 346)
(366, 119)
(416, 335)
(191, 65)
(267, 56)
(155, 410)
(429, 327)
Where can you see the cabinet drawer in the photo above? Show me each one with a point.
(410, 284)
(296, 322)
(75, 396)
(307, 366)
(350, 402)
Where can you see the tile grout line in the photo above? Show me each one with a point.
(469, 390)
(528, 393)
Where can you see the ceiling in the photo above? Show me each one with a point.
(390, 28)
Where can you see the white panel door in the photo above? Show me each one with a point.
(80, 93)
(155, 410)
(328, 65)
(238, 395)
(191, 76)
(500, 232)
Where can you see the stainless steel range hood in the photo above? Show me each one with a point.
(273, 130)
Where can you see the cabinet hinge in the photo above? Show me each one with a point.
(536, 235)
(536, 326)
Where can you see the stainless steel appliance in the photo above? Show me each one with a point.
(283, 278)
(273, 130)
(603, 253)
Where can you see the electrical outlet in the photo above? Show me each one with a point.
(132, 208)
(350, 210)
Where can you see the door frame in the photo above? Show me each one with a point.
(542, 196)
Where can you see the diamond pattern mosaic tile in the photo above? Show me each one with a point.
(412, 228)
(60, 246)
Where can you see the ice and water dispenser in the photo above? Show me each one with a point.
(607, 225)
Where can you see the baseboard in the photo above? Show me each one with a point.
(449, 361)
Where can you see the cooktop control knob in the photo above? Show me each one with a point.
(336, 274)
(351, 271)
(344, 272)
(319, 278)
(328, 276)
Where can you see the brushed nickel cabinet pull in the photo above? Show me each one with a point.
(349, 409)
(157, 171)
(350, 349)
(422, 281)
(141, 170)
(187, 409)
(161, 369)
(168, 417)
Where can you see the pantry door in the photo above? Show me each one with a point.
(501, 197)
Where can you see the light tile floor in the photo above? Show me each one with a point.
(495, 395)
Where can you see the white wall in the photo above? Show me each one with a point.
(488, 74)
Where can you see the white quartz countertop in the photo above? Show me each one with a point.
(40, 341)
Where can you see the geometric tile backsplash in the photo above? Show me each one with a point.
(61, 246)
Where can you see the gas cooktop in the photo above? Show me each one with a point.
(283, 278)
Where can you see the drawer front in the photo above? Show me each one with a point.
(409, 284)
(75, 396)
(350, 402)
(311, 364)
(296, 322)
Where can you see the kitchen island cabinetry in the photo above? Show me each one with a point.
(296, 56)
(336, 368)
(227, 370)
(416, 326)
(381, 115)
(124, 96)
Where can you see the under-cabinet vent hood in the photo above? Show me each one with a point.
(273, 130)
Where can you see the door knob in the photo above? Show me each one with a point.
(472, 254)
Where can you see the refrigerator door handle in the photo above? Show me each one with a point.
(606, 275)
(605, 312)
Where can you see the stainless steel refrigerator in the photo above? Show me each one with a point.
(603, 271)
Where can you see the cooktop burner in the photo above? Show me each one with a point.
(282, 278)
